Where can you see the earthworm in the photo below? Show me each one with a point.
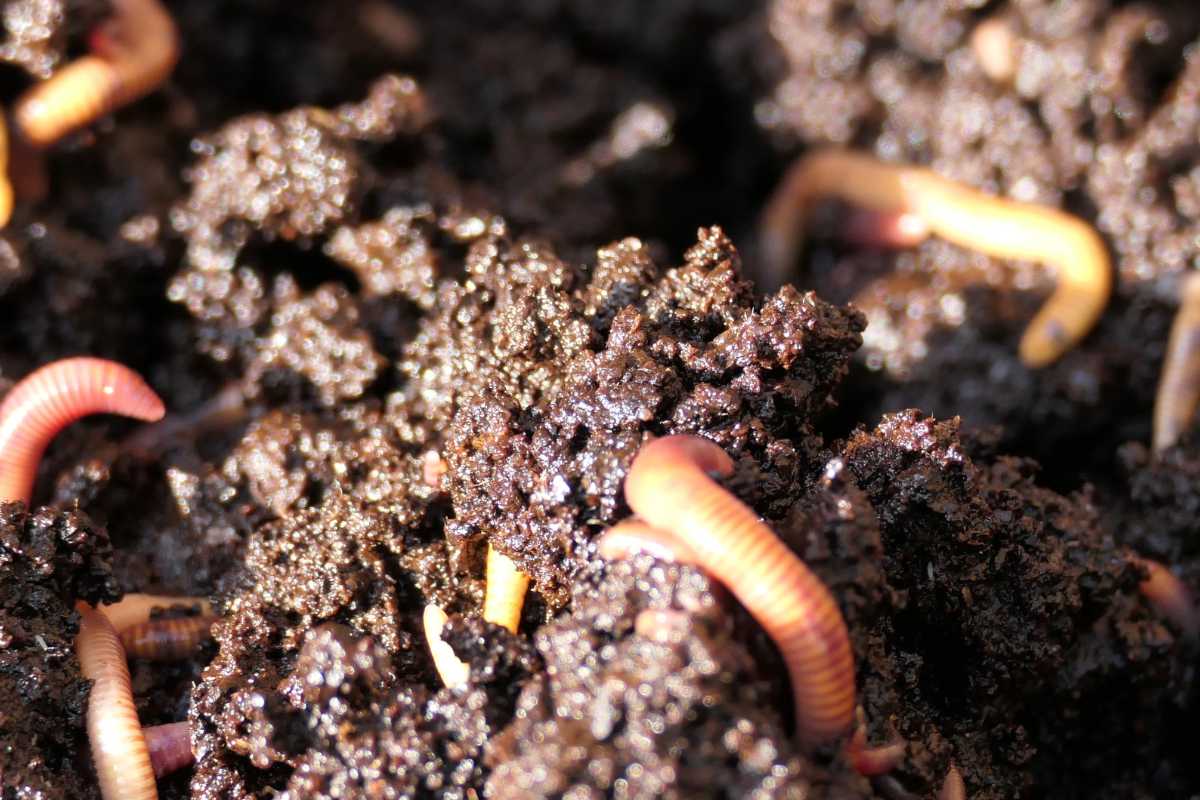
(226, 408)
(868, 228)
(51, 398)
(953, 787)
(1179, 384)
(505, 593)
(453, 671)
(6, 190)
(1170, 596)
(631, 537)
(962, 215)
(135, 609)
(995, 47)
(132, 56)
(872, 761)
(119, 750)
(167, 639)
(170, 747)
(669, 487)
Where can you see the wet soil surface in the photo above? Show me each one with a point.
(417, 279)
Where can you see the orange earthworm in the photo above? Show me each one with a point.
(669, 487)
(630, 537)
(135, 609)
(133, 54)
(504, 595)
(953, 787)
(1169, 595)
(873, 761)
(170, 747)
(119, 751)
(51, 398)
(6, 190)
(168, 638)
(962, 215)
(1179, 384)
(453, 671)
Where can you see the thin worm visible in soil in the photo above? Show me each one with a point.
(504, 596)
(170, 747)
(223, 410)
(453, 671)
(134, 609)
(1179, 384)
(119, 750)
(953, 787)
(962, 215)
(53, 397)
(6, 189)
(670, 487)
(867, 228)
(995, 47)
(167, 639)
(631, 537)
(872, 761)
(135, 52)
(1170, 596)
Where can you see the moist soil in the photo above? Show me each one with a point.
(418, 278)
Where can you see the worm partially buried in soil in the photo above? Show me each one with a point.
(160, 639)
(669, 486)
(134, 53)
(170, 747)
(53, 397)
(504, 595)
(959, 214)
(1179, 384)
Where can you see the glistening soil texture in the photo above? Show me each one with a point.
(419, 279)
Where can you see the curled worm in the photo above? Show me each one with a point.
(504, 596)
(669, 487)
(138, 48)
(962, 215)
(170, 747)
(1179, 384)
(119, 750)
(53, 397)
(1170, 596)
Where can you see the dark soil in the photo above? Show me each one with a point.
(378, 258)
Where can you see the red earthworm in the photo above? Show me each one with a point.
(953, 787)
(669, 487)
(630, 537)
(504, 595)
(1170, 596)
(1179, 384)
(53, 397)
(119, 750)
(170, 747)
(132, 56)
(872, 761)
(167, 639)
(962, 215)
(453, 671)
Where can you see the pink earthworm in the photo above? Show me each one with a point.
(1170, 596)
(119, 750)
(873, 761)
(133, 54)
(669, 486)
(170, 747)
(960, 214)
(53, 397)
(168, 638)
(953, 787)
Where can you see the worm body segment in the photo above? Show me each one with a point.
(140, 49)
(953, 787)
(962, 215)
(6, 190)
(1179, 384)
(504, 596)
(167, 639)
(53, 397)
(453, 671)
(1170, 596)
(669, 487)
(170, 747)
(119, 750)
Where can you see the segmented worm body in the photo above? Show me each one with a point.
(136, 51)
(167, 639)
(1179, 384)
(53, 397)
(959, 214)
(873, 761)
(453, 671)
(504, 596)
(669, 487)
(953, 787)
(119, 750)
(1170, 596)
(170, 747)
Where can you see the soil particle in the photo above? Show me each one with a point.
(48, 561)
